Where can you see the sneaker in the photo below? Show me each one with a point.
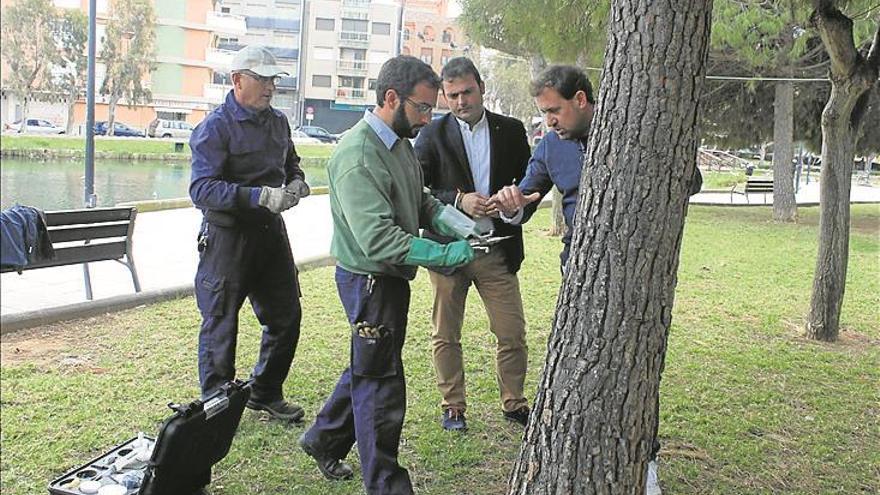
(332, 469)
(520, 416)
(453, 420)
(652, 486)
(279, 409)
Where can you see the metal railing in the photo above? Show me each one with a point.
(352, 66)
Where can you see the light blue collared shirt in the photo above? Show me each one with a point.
(385, 133)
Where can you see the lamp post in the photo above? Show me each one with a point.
(90, 199)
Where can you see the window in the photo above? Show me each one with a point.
(351, 82)
(444, 58)
(320, 81)
(224, 10)
(406, 34)
(321, 53)
(427, 56)
(447, 36)
(355, 25)
(382, 28)
(371, 85)
(325, 24)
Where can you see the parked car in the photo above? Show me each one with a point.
(169, 128)
(299, 137)
(119, 129)
(319, 133)
(36, 126)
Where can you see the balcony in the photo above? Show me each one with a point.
(354, 39)
(216, 93)
(354, 96)
(219, 58)
(352, 67)
(359, 14)
(224, 23)
(358, 4)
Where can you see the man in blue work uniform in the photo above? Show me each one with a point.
(378, 203)
(245, 172)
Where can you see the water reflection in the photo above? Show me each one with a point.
(58, 184)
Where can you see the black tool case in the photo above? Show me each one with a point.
(178, 462)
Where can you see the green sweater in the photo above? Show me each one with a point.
(378, 202)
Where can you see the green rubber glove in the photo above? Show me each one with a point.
(425, 252)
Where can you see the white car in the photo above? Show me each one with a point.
(36, 126)
(299, 137)
(162, 128)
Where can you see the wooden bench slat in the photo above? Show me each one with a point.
(84, 254)
(92, 215)
(88, 232)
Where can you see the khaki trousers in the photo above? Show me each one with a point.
(499, 290)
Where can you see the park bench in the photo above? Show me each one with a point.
(89, 235)
(754, 185)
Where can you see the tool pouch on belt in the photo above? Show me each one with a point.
(374, 351)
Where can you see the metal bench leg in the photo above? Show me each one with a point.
(134, 273)
(88, 281)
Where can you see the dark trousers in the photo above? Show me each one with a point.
(252, 261)
(369, 402)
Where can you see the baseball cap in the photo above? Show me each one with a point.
(257, 59)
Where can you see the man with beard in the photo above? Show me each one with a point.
(378, 204)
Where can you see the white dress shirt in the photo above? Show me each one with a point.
(476, 145)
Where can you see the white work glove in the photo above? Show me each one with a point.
(277, 199)
(299, 188)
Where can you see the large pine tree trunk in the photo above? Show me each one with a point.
(852, 77)
(592, 423)
(784, 204)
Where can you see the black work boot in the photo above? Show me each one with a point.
(279, 409)
(332, 469)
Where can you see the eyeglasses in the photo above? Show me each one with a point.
(262, 79)
(422, 108)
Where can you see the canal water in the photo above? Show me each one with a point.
(58, 184)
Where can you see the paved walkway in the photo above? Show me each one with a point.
(165, 254)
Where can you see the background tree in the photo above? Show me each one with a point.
(70, 78)
(592, 424)
(128, 54)
(507, 87)
(853, 75)
(29, 48)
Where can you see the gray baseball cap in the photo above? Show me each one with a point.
(257, 59)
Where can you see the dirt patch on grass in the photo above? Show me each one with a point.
(55, 345)
(862, 224)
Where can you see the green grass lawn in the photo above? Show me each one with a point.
(129, 145)
(748, 405)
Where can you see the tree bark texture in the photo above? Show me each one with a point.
(557, 227)
(784, 204)
(852, 76)
(595, 411)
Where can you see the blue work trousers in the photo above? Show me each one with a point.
(253, 261)
(369, 402)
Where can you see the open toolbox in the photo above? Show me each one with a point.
(123, 467)
(177, 462)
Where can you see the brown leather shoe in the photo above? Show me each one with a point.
(520, 416)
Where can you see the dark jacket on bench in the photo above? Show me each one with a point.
(24, 239)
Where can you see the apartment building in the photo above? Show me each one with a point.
(184, 32)
(430, 35)
(277, 24)
(348, 41)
